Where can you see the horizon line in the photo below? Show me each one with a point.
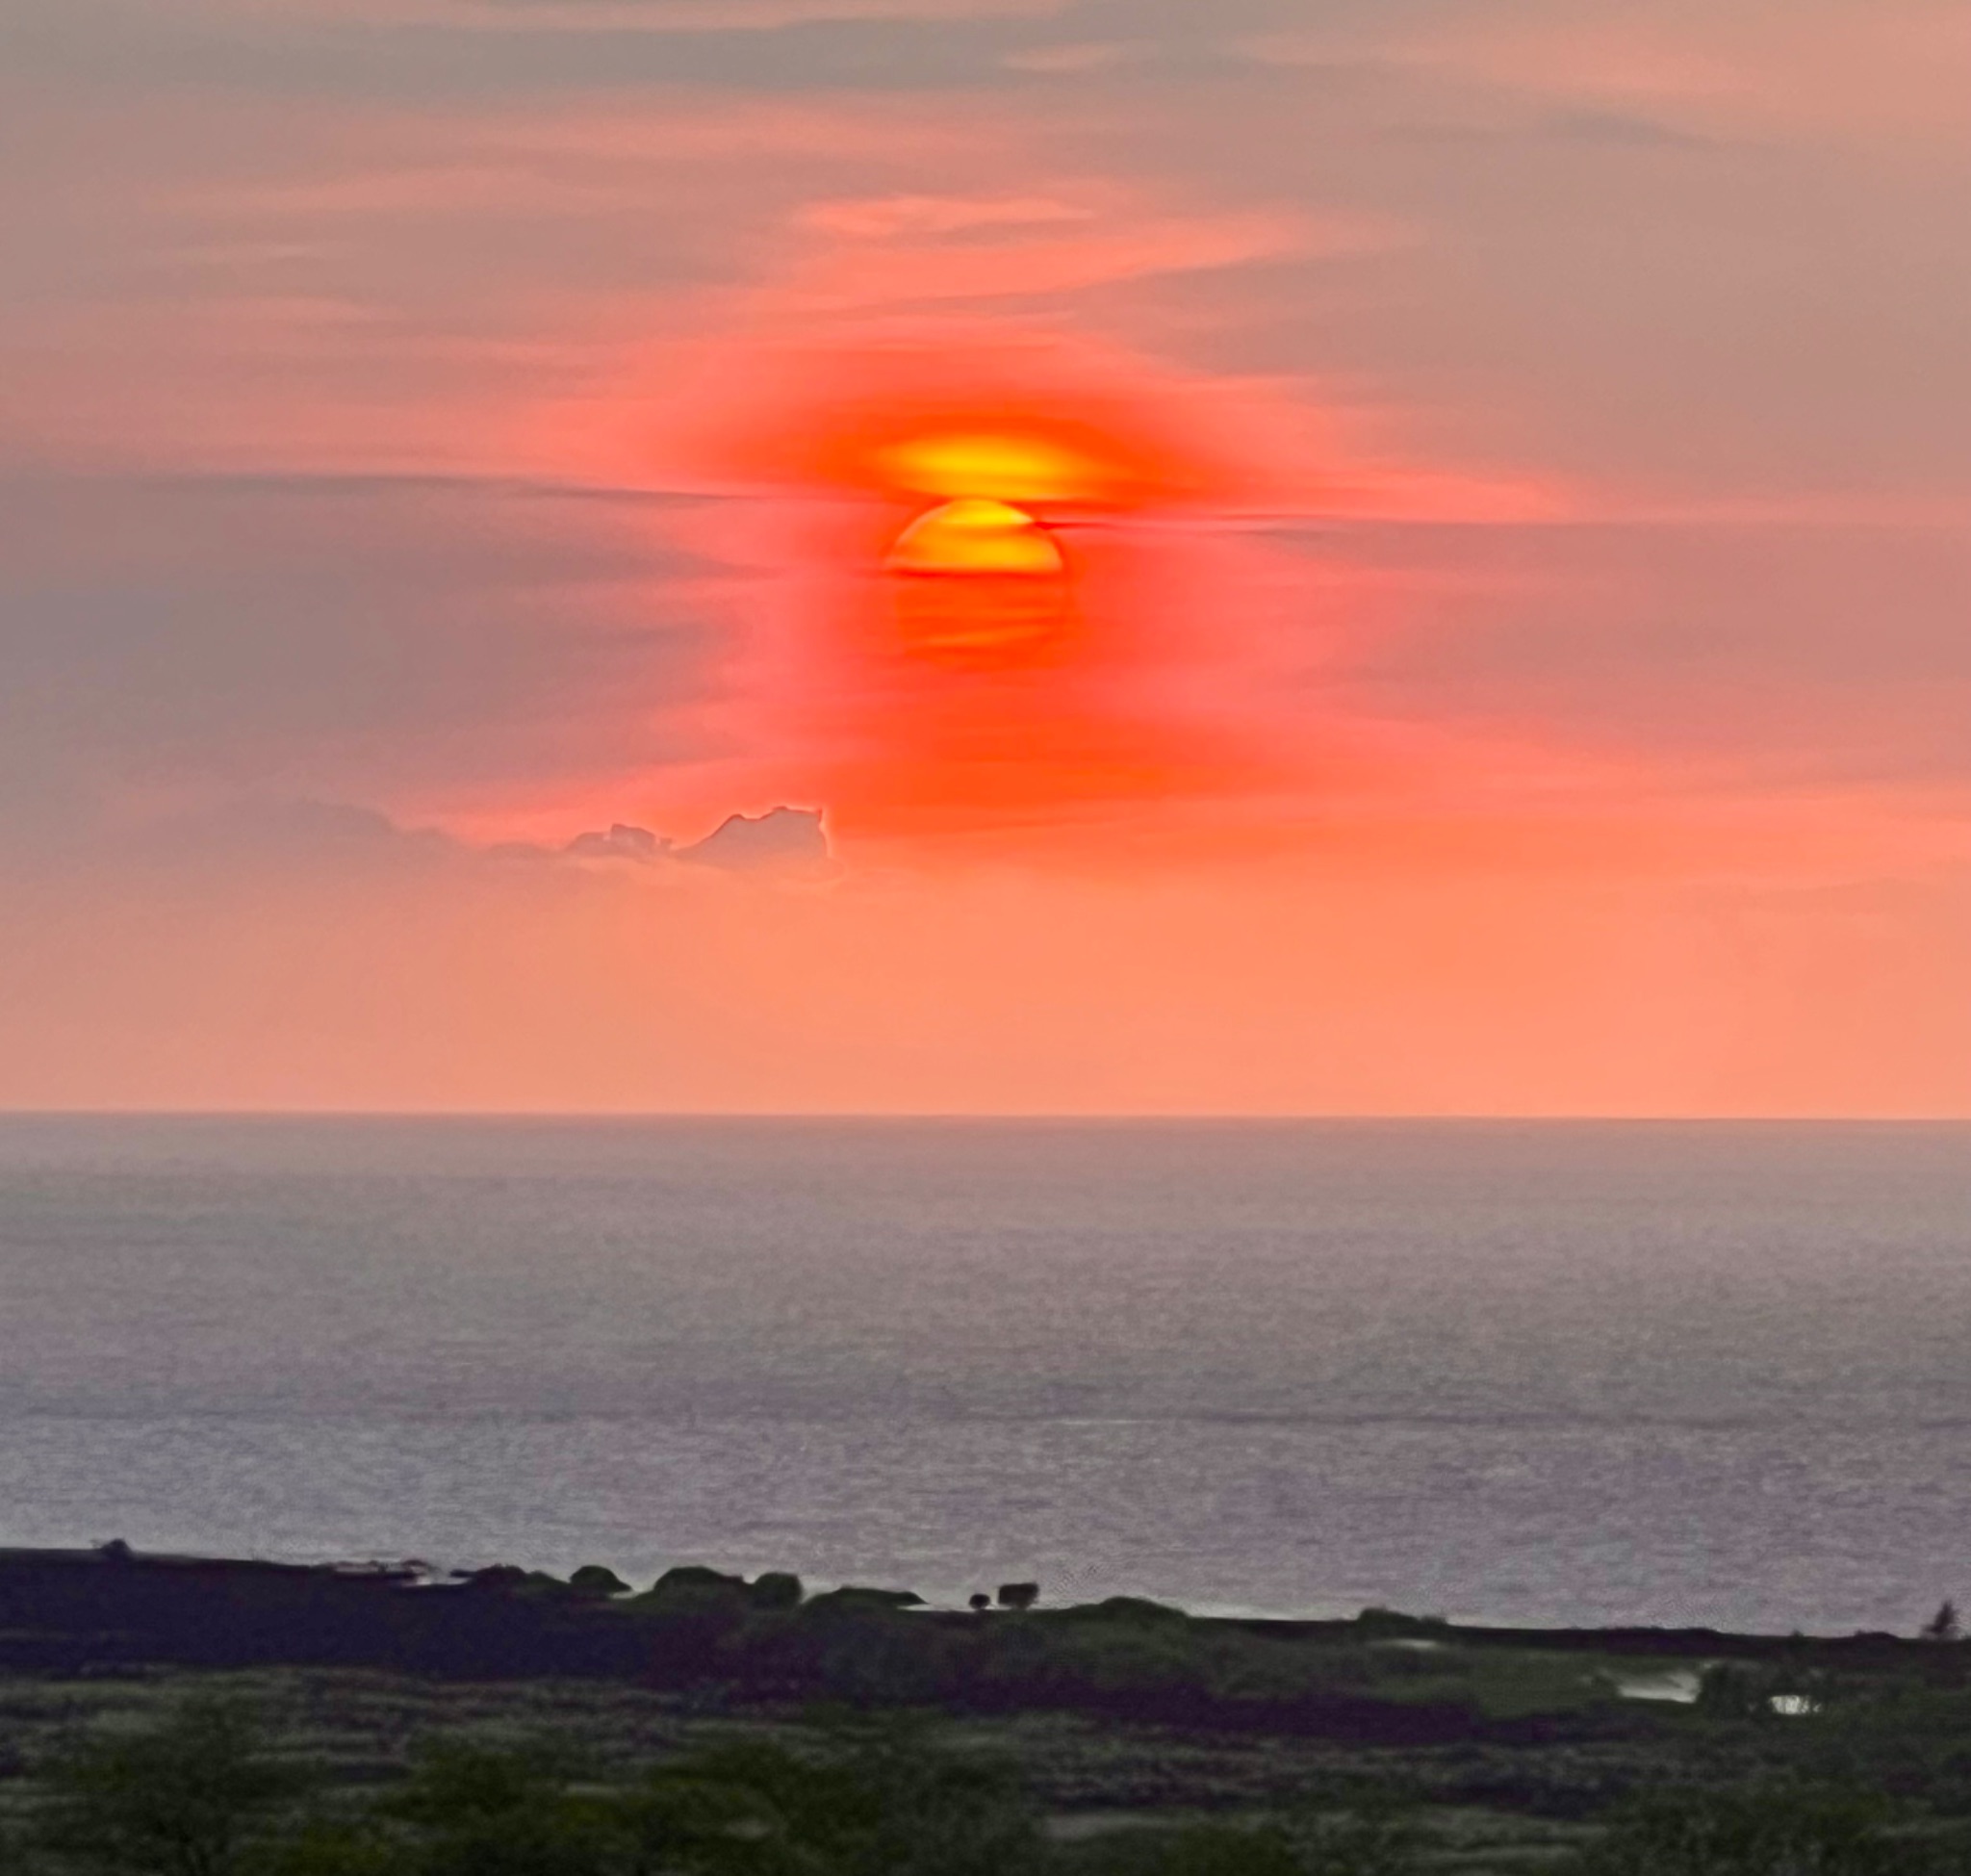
(988, 1116)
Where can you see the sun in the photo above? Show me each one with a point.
(976, 535)
(979, 582)
(980, 579)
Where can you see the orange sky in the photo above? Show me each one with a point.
(1483, 589)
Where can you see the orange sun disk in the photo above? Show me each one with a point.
(977, 535)
(978, 580)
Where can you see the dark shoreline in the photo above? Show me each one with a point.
(91, 1611)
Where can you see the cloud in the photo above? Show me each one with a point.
(618, 842)
(781, 840)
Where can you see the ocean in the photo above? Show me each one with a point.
(1533, 1372)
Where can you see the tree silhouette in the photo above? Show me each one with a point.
(1943, 1626)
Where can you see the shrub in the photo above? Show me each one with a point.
(777, 1589)
(695, 1576)
(486, 1811)
(180, 1798)
(1195, 1850)
(595, 1579)
(1782, 1830)
(497, 1575)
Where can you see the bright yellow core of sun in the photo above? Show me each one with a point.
(976, 535)
(991, 468)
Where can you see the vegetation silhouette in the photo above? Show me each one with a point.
(206, 1790)
(182, 1799)
(857, 1733)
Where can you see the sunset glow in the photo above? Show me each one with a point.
(1439, 590)
(993, 467)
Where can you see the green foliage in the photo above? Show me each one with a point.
(1377, 1840)
(887, 1809)
(695, 1818)
(796, 1812)
(945, 1816)
(483, 1812)
(1779, 1830)
(181, 1797)
(1124, 1649)
(330, 1847)
(1897, 1735)
(1195, 1850)
(881, 1806)
(623, 1784)
(869, 1656)
(455, 1782)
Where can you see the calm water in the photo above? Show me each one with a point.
(1714, 1374)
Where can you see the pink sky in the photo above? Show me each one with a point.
(1522, 657)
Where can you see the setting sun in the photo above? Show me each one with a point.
(974, 535)
(978, 579)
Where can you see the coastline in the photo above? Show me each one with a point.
(1482, 1749)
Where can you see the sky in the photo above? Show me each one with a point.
(1499, 474)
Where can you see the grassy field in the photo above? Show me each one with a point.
(1118, 1740)
(1472, 1806)
(358, 1732)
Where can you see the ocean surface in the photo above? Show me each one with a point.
(1705, 1374)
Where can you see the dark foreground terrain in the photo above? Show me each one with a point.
(202, 1718)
